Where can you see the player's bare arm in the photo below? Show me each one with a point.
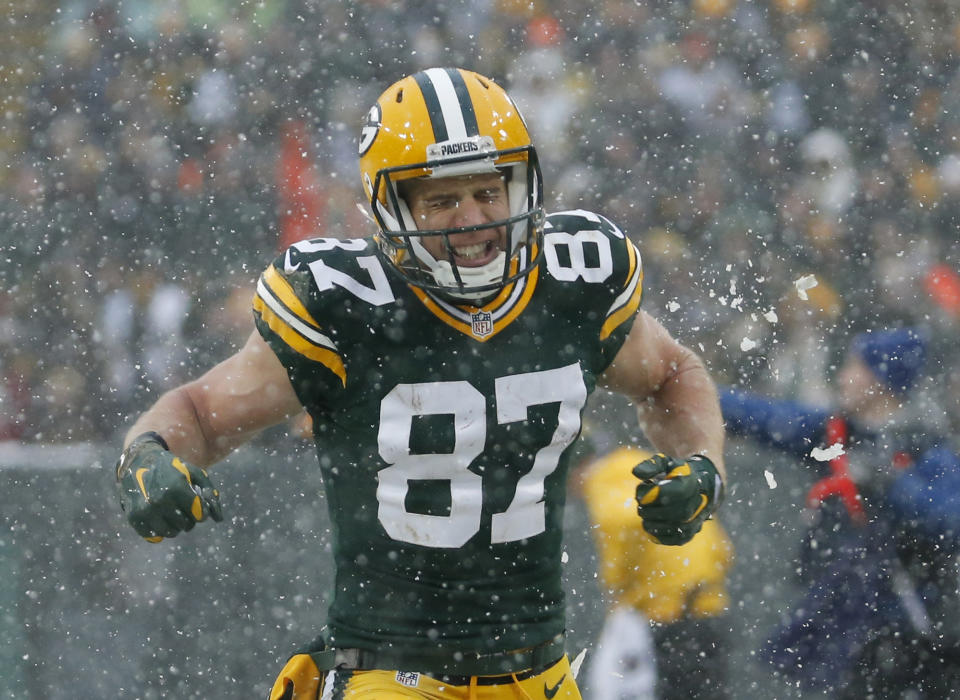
(163, 486)
(676, 399)
(679, 412)
(204, 420)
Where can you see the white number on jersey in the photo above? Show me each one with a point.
(377, 293)
(574, 243)
(526, 514)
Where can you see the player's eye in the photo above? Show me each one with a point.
(444, 203)
(491, 195)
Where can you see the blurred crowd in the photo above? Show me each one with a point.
(789, 168)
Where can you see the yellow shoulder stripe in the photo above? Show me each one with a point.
(284, 292)
(633, 291)
(328, 358)
(634, 257)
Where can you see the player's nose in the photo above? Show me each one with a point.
(469, 213)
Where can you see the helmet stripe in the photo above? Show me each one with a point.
(466, 104)
(434, 111)
(448, 104)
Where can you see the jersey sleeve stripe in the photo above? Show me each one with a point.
(296, 323)
(328, 358)
(628, 301)
(292, 329)
(282, 291)
(634, 256)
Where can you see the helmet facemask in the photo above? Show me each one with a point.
(402, 240)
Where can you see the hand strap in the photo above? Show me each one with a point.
(151, 436)
(137, 442)
(719, 488)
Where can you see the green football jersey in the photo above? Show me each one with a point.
(443, 430)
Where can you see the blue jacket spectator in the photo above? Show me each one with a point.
(880, 558)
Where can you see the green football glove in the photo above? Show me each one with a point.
(675, 496)
(162, 495)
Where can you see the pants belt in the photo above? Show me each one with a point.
(463, 664)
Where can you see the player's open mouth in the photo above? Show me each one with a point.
(475, 254)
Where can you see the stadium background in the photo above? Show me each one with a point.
(156, 155)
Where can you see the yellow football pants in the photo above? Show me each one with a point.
(300, 680)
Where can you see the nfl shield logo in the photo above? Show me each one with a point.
(482, 323)
(408, 678)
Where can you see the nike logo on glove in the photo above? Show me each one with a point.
(550, 692)
(143, 488)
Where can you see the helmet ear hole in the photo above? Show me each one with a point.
(399, 95)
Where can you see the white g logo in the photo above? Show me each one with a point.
(371, 127)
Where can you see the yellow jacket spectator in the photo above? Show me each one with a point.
(661, 598)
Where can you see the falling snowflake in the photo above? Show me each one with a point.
(803, 284)
(832, 452)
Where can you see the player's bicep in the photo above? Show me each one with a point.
(648, 357)
(242, 395)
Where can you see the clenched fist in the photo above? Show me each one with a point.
(675, 496)
(161, 494)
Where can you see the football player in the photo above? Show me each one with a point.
(445, 362)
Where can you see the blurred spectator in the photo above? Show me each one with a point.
(298, 186)
(880, 558)
(798, 363)
(546, 90)
(830, 180)
(666, 604)
(15, 384)
(707, 89)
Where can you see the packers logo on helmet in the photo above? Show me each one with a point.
(451, 122)
(371, 127)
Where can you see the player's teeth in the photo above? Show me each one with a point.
(471, 251)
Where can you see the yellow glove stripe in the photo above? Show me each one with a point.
(651, 495)
(196, 510)
(682, 470)
(180, 467)
(143, 488)
(703, 504)
(154, 540)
